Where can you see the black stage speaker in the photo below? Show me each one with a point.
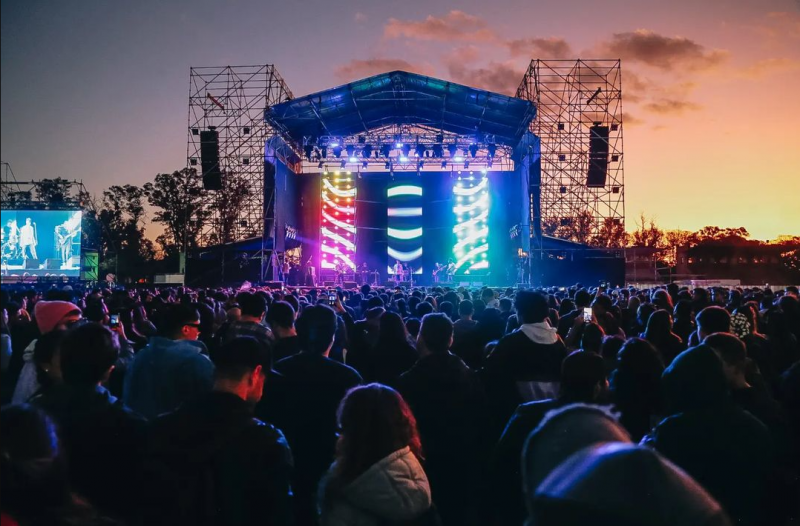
(31, 264)
(350, 284)
(52, 264)
(328, 284)
(598, 156)
(274, 285)
(209, 160)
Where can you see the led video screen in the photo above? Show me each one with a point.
(41, 242)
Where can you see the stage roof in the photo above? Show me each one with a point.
(399, 97)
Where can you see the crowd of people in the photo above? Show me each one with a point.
(428, 406)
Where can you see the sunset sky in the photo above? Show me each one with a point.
(97, 90)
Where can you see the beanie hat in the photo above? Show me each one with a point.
(49, 313)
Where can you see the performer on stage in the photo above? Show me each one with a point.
(27, 239)
(341, 269)
(311, 273)
(398, 270)
(364, 271)
(437, 272)
(521, 270)
(285, 269)
(451, 269)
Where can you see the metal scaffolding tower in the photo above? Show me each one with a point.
(232, 100)
(574, 99)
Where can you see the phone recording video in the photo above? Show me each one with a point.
(113, 321)
(587, 314)
(332, 299)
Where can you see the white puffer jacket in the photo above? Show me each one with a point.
(393, 489)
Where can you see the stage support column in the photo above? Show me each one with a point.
(268, 270)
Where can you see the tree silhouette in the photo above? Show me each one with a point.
(179, 201)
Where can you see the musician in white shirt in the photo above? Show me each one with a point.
(398, 270)
(27, 239)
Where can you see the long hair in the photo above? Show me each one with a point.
(392, 330)
(374, 421)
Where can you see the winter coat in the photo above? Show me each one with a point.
(394, 489)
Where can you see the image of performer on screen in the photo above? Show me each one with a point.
(64, 240)
(398, 270)
(451, 269)
(10, 241)
(28, 239)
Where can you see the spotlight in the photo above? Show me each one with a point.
(403, 159)
(473, 149)
(333, 144)
(438, 151)
(351, 150)
(337, 151)
(458, 159)
(323, 152)
(420, 150)
(483, 172)
(444, 164)
(386, 149)
(453, 149)
(419, 165)
(344, 163)
(406, 149)
(361, 139)
(489, 163)
(492, 150)
(439, 137)
(387, 165)
(309, 149)
(466, 164)
(364, 164)
(353, 159)
(366, 153)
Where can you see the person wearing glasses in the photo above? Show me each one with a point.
(172, 368)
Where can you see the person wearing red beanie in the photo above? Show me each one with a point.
(49, 316)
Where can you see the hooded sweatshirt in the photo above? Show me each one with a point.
(723, 447)
(624, 485)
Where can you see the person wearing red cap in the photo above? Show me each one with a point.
(49, 316)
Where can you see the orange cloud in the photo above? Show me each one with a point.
(662, 52)
(357, 69)
(768, 66)
(671, 106)
(455, 26)
(549, 47)
(498, 77)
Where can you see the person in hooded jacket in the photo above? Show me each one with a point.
(636, 386)
(595, 486)
(726, 449)
(377, 477)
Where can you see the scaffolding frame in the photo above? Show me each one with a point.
(570, 97)
(233, 100)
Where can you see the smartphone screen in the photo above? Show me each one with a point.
(587, 314)
(331, 299)
(113, 320)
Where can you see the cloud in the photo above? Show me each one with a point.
(783, 23)
(455, 26)
(360, 17)
(498, 77)
(769, 66)
(671, 106)
(629, 119)
(662, 52)
(357, 69)
(549, 47)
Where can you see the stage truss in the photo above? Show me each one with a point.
(405, 148)
(570, 97)
(233, 100)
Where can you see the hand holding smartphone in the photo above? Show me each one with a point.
(113, 321)
(587, 314)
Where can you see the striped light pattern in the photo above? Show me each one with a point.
(338, 229)
(471, 210)
(405, 227)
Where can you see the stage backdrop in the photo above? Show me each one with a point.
(41, 242)
(420, 220)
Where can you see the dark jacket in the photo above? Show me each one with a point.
(505, 483)
(313, 386)
(387, 361)
(212, 462)
(520, 370)
(285, 347)
(723, 447)
(447, 400)
(104, 443)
